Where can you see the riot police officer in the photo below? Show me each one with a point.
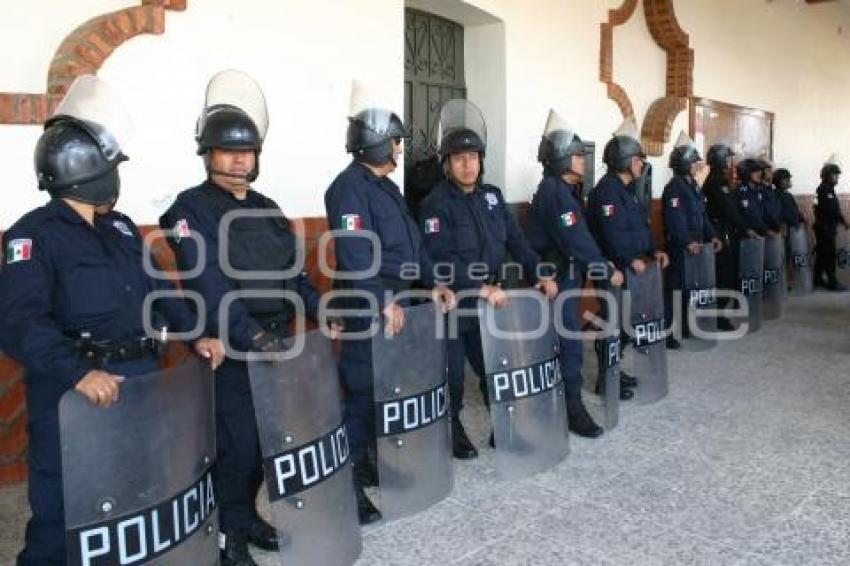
(72, 290)
(686, 223)
(790, 212)
(726, 219)
(770, 199)
(363, 200)
(749, 198)
(230, 139)
(466, 221)
(559, 233)
(827, 218)
(618, 221)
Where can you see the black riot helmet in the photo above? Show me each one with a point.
(558, 145)
(461, 140)
(78, 154)
(718, 157)
(779, 178)
(370, 134)
(746, 168)
(684, 155)
(622, 147)
(70, 162)
(828, 170)
(227, 127)
(461, 128)
(234, 117)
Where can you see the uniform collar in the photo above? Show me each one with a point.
(457, 192)
(64, 211)
(211, 186)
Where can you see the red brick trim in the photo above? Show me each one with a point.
(83, 51)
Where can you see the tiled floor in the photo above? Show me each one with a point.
(745, 462)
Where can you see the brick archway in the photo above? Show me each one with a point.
(665, 30)
(83, 51)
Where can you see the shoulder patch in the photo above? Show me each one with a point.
(351, 222)
(122, 227)
(608, 210)
(674, 202)
(181, 229)
(492, 200)
(19, 249)
(745, 203)
(432, 225)
(568, 219)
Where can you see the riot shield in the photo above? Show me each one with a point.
(774, 278)
(800, 261)
(751, 279)
(306, 455)
(137, 476)
(842, 256)
(645, 328)
(602, 395)
(525, 386)
(700, 287)
(411, 414)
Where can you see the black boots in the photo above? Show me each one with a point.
(462, 447)
(234, 552)
(581, 423)
(264, 536)
(367, 513)
(365, 473)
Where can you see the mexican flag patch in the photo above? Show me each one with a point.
(432, 225)
(19, 250)
(568, 219)
(608, 210)
(181, 230)
(674, 202)
(351, 222)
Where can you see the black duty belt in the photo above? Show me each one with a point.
(102, 352)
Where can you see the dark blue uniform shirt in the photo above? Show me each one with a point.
(62, 276)
(772, 207)
(790, 211)
(358, 201)
(254, 244)
(559, 224)
(751, 207)
(619, 222)
(685, 217)
(477, 227)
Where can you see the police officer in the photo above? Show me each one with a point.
(827, 218)
(230, 140)
(770, 199)
(466, 221)
(363, 200)
(559, 232)
(617, 219)
(790, 212)
(726, 219)
(72, 290)
(749, 198)
(686, 223)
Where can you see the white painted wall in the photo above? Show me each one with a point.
(781, 56)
